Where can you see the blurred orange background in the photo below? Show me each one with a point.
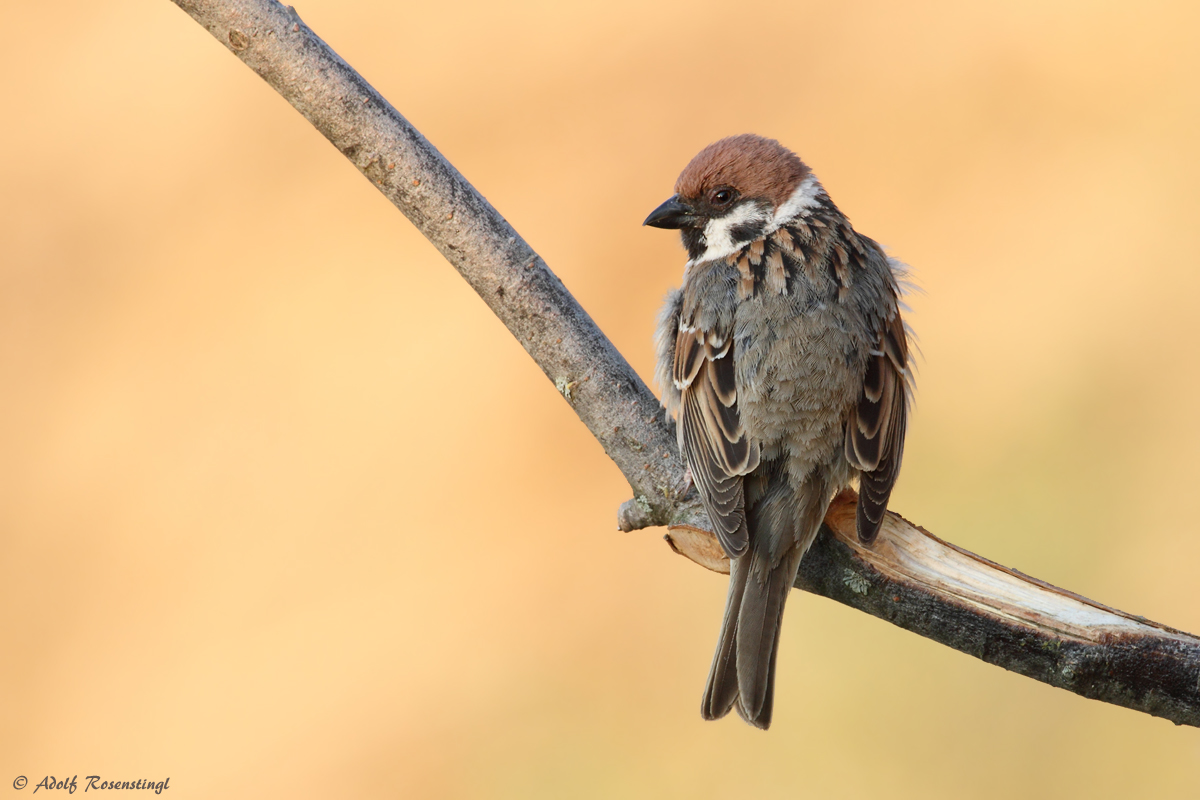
(285, 512)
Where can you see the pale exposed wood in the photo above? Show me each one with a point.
(908, 554)
(908, 577)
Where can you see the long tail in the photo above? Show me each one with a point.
(783, 523)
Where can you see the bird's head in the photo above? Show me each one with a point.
(733, 192)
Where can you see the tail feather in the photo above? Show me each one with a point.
(722, 689)
(764, 717)
(758, 626)
(783, 523)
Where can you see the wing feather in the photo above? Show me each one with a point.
(689, 356)
(876, 427)
(712, 439)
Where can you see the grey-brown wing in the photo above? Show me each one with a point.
(875, 429)
(712, 439)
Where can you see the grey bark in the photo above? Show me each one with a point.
(908, 577)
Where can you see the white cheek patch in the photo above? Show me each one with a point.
(718, 233)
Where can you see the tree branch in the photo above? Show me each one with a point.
(908, 577)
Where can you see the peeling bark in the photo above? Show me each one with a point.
(913, 579)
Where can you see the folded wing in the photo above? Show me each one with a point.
(712, 439)
(875, 429)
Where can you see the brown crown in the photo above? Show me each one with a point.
(754, 165)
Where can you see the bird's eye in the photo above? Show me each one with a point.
(722, 196)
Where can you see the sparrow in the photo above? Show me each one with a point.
(784, 360)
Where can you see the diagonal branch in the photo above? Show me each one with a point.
(908, 577)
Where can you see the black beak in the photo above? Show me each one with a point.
(672, 214)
